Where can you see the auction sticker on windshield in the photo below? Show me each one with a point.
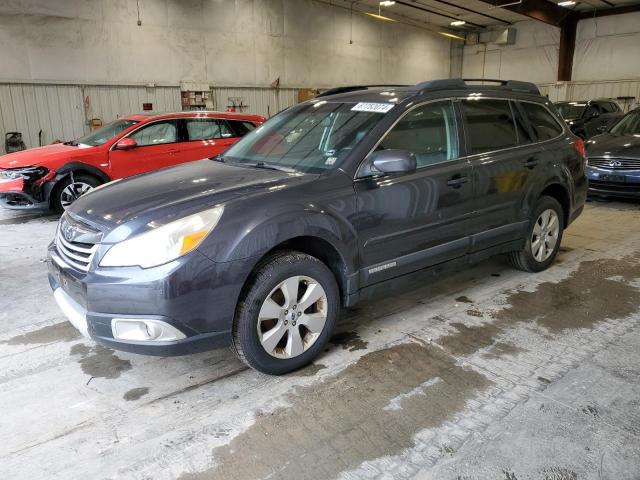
(372, 107)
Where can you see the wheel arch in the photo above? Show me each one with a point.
(317, 247)
(73, 168)
(561, 194)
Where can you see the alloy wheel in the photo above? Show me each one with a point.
(292, 317)
(72, 192)
(545, 235)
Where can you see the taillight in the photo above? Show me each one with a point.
(579, 145)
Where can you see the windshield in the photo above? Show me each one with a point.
(629, 125)
(571, 110)
(310, 138)
(103, 134)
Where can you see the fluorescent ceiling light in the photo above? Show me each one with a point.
(458, 23)
(451, 35)
(380, 17)
(566, 3)
(387, 3)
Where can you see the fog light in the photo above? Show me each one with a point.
(144, 330)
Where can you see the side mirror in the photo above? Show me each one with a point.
(126, 144)
(394, 161)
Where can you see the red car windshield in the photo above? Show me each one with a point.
(104, 134)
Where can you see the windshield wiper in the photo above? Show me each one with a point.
(271, 166)
(72, 143)
(218, 158)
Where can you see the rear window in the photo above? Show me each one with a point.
(543, 122)
(490, 125)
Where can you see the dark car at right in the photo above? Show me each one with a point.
(613, 165)
(589, 117)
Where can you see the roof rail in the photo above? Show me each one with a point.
(352, 88)
(514, 85)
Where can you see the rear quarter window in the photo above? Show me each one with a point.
(544, 124)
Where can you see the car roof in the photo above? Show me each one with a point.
(378, 93)
(141, 117)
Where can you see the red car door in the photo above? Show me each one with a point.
(157, 146)
(207, 137)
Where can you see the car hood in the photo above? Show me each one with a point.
(172, 193)
(37, 156)
(607, 145)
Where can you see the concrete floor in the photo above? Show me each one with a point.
(489, 374)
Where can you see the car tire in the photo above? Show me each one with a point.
(543, 237)
(276, 330)
(77, 185)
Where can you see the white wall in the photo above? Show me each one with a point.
(226, 42)
(607, 48)
(534, 57)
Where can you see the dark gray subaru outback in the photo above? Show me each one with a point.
(330, 202)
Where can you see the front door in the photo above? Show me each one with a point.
(415, 220)
(158, 146)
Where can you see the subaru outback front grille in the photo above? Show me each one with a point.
(615, 163)
(76, 243)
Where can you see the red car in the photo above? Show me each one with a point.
(52, 177)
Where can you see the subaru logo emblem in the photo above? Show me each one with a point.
(615, 163)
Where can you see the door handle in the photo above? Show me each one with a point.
(173, 152)
(456, 181)
(531, 163)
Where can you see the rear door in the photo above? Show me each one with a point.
(206, 137)
(504, 159)
(159, 146)
(418, 219)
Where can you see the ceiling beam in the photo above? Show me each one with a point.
(475, 12)
(604, 12)
(424, 9)
(541, 10)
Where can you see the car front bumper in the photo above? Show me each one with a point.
(615, 183)
(193, 295)
(14, 197)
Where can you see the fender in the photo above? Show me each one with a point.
(66, 169)
(73, 166)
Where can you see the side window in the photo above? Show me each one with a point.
(592, 111)
(207, 129)
(544, 123)
(490, 125)
(157, 133)
(241, 127)
(429, 132)
(614, 107)
(525, 135)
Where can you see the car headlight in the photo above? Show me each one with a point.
(163, 244)
(28, 173)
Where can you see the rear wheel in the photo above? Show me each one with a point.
(70, 189)
(543, 239)
(287, 313)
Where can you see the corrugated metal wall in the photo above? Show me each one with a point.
(262, 101)
(62, 112)
(583, 90)
(55, 109)
(110, 102)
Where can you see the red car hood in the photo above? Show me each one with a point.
(37, 156)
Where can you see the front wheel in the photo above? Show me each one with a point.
(70, 189)
(543, 239)
(287, 314)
